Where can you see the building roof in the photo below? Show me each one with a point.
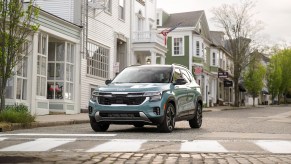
(217, 37)
(187, 19)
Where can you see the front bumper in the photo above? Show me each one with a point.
(147, 113)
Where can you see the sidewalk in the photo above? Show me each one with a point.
(55, 120)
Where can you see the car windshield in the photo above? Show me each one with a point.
(144, 75)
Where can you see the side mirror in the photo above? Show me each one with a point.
(108, 82)
(180, 81)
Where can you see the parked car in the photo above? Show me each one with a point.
(147, 95)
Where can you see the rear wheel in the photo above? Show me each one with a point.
(98, 126)
(196, 122)
(168, 124)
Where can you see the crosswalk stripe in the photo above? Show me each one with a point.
(41, 144)
(2, 138)
(119, 146)
(275, 146)
(69, 135)
(202, 146)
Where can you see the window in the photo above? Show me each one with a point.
(21, 76)
(21, 86)
(197, 48)
(121, 11)
(98, 61)
(60, 82)
(178, 46)
(158, 19)
(41, 64)
(69, 88)
(177, 75)
(202, 47)
(109, 6)
(213, 58)
(185, 76)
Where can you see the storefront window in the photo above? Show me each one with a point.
(9, 88)
(41, 64)
(21, 86)
(60, 70)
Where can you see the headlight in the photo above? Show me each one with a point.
(94, 96)
(154, 96)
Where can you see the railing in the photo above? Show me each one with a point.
(148, 37)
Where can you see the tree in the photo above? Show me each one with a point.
(236, 21)
(254, 78)
(274, 76)
(17, 22)
(285, 63)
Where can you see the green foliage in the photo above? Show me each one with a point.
(254, 78)
(17, 23)
(278, 74)
(274, 76)
(16, 114)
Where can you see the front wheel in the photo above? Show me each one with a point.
(98, 126)
(196, 122)
(168, 123)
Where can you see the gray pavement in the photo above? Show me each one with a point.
(62, 119)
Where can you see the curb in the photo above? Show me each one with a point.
(17, 126)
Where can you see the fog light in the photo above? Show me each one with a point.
(157, 110)
(90, 110)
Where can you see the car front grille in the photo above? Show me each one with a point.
(126, 99)
(120, 114)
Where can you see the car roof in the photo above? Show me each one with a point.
(159, 65)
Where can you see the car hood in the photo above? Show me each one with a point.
(134, 87)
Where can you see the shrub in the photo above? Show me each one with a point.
(16, 114)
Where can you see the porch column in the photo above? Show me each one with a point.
(33, 69)
(153, 57)
(163, 59)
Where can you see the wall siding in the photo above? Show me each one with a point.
(102, 29)
(183, 60)
(61, 8)
(53, 23)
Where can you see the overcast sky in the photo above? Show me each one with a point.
(275, 14)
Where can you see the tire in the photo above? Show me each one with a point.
(196, 122)
(138, 125)
(168, 124)
(98, 126)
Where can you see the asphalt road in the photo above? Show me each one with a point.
(258, 135)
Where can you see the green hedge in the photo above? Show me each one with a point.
(16, 114)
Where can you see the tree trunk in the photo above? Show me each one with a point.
(2, 93)
(236, 93)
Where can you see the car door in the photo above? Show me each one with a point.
(193, 93)
(189, 101)
(181, 93)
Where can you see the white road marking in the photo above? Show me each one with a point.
(275, 146)
(69, 135)
(119, 146)
(41, 144)
(202, 146)
(2, 138)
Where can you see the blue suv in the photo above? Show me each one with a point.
(147, 95)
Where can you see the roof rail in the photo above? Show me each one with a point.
(179, 65)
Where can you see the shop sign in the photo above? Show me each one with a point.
(198, 70)
(223, 74)
(227, 83)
